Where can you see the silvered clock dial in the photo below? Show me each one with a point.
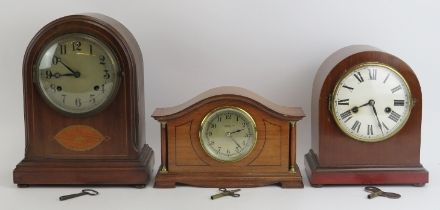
(228, 134)
(77, 74)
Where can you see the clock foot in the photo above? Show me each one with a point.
(294, 184)
(22, 185)
(316, 185)
(139, 186)
(419, 184)
(164, 181)
(164, 184)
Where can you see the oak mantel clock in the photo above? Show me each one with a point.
(366, 120)
(228, 137)
(84, 105)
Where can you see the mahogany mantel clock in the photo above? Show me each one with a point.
(228, 137)
(366, 120)
(84, 105)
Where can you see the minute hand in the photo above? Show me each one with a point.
(228, 134)
(235, 141)
(375, 113)
(76, 74)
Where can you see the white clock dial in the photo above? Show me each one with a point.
(371, 102)
(228, 134)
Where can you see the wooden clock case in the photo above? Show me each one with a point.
(272, 161)
(122, 158)
(335, 158)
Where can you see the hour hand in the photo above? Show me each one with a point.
(366, 104)
(57, 75)
(228, 133)
(236, 131)
(355, 109)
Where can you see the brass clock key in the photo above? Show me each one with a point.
(225, 192)
(374, 192)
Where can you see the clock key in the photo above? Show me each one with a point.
(225, 192)
(374, 192)
(83, 192)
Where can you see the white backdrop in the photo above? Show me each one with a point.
(272, 48)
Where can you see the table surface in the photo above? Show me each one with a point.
(186, 197)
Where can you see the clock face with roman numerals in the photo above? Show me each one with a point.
(371, 103)
(228, 134)
(77, 74)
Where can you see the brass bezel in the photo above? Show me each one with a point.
(348, 72)
(114, 61)
(221, 109)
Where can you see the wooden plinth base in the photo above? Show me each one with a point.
(319, 176)
(229, 180)
(86, 172)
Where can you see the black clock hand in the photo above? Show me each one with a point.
(368, 103)
(236, 131)
(375, 113)
(235, 141)
(229, 135)
(68, 74)
(58, 75)
(76, 74)
(355, 108)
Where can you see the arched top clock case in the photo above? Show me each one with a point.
(228, 92)
(190, 156)
(342, 156)
(111, 138)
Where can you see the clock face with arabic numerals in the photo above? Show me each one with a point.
(77, 74)
(228, 134)
(371, 102)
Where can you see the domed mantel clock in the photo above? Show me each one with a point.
(228, 137)
(366, 120)
(84, 105)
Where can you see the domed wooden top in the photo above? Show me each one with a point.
(229, 93)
